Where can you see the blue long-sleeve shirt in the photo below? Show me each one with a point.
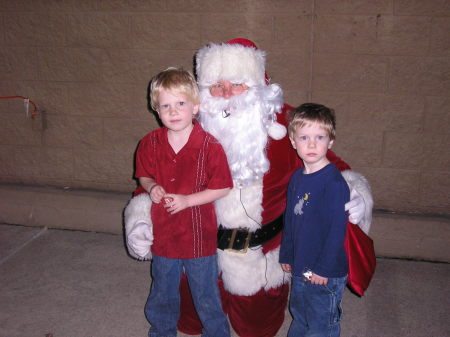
(315, 223)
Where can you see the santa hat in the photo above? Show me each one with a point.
(237, 61)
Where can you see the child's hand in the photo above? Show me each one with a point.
(319, 280)
(175, 203)
(156, 193)
(286, 267)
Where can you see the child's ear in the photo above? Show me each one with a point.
(330, 144)
(293, 143)
(196, 107)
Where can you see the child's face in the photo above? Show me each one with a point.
(312, 143)
(176, 110)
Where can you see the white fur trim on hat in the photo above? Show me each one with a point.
(230, 62)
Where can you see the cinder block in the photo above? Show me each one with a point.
(89, 63)
(205, 6)
(440, 39)
(18, 129)
(179, 58)
(436, 155)
(419, 75)
(357, 147)
(28, 29)
(296, 97)
(103, 166)
(50, 97)
(395, 189)
(69, 131)
(356, 73)
(132, 66)
(20, 163)
(367, 111)
(188, 38)
(435, 187)
(345, 34)
(156, 30)
(249, 6)
(400, 35)
(100, 29)
(302, 7)
(146, 30)
(437, 118)
(106, 99)
(411, 236)
(143, 6)
(297, 75)
(339, 101)
(353, 7)
(403, 112)
(401, 149)
(125, 134)
(420, 7)
(291, 31)
(19, 63)
(382, 112)
(223, 27)
(59, 64)
(56, 164)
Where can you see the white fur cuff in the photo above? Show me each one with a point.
(137, 212)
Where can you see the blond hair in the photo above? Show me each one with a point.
(174, 79)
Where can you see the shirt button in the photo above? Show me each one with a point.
(172, 180)
(174, 160)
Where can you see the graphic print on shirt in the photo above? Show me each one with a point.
(298, 208)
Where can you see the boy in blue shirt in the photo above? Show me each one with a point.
(312, 247)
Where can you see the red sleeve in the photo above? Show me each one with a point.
(145, 157)
(142, 162)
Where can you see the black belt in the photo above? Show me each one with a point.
(239, 239)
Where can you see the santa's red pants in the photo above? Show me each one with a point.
(259, 315)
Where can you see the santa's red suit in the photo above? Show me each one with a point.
(254, 288)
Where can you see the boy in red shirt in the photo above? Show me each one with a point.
(183, 169)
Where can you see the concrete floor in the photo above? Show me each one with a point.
(83, 284)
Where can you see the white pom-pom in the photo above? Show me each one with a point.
(276, 131)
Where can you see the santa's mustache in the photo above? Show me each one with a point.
(234, 107)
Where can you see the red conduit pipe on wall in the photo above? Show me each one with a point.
(26, 100)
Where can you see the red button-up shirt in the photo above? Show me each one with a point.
(201, 164)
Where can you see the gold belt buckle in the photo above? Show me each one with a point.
(233, 237)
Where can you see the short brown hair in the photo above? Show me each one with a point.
(176, 79)
(310, 113)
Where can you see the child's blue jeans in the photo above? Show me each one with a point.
(316, 310)
(163, 304)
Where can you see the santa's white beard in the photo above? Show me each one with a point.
(240, 124)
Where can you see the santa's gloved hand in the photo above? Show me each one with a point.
(355, 207)
(140, 238)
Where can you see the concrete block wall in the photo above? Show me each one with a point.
(383, 65)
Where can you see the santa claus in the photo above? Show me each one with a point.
(247, 115)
